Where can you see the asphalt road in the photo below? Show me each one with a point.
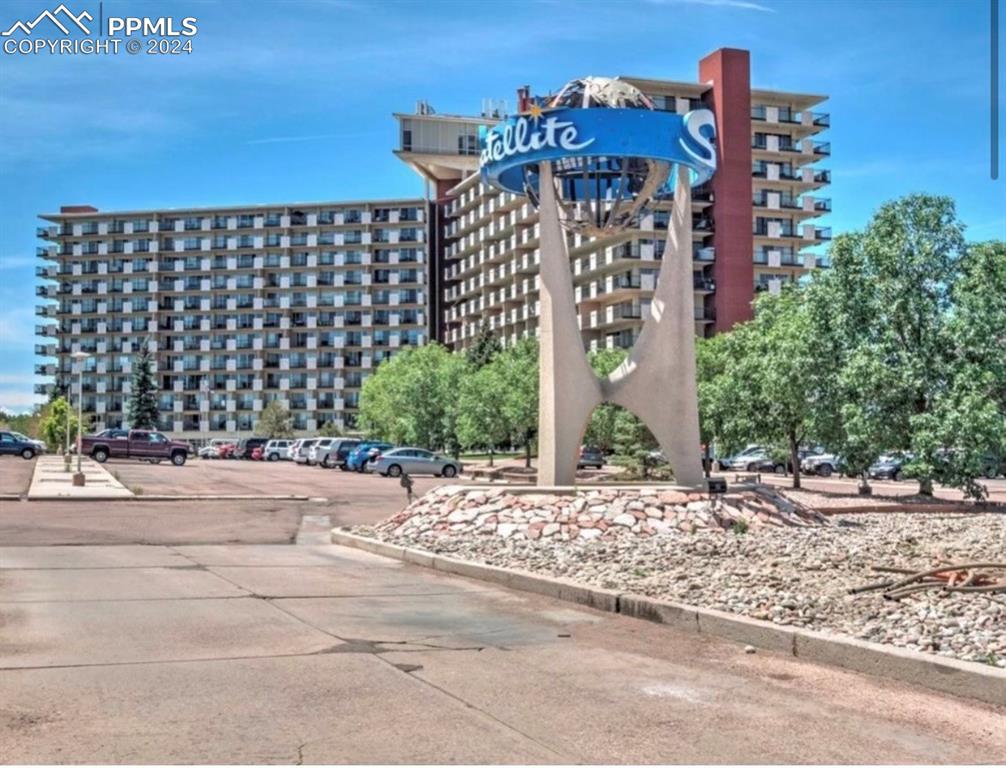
(318, 654)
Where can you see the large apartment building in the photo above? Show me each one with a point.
(239, 305)
(300, 302)
(754, 225)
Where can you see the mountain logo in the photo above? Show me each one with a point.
(54, 16)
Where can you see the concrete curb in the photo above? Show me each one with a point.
(960, 678)
(153, 497)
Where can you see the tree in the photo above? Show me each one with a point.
(481, 422)
(412, 398)
(964, 434)
(143, 409)
(769, 382)
(518, 369)
(53, 426)
(485, 348)
(330, 429)
(603, 424)
(274, 421)
(884, 310)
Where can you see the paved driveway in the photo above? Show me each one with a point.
(317, 654)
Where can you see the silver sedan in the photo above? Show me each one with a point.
(413, 461)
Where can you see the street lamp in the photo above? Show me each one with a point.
(80, 357)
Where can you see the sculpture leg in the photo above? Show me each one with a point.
(657, 381)
(568, 390)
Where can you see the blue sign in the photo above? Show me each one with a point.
(554, 134)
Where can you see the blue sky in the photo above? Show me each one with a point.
(292, 100)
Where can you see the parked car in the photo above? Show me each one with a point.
(258, 453)
(303, 449)
(889, 466)
(742, 460)
(336, 453)
(590, 456)
(322, 444)
(737, 460)
(276, 450)
(413, 461)
(763, 462)
(40, 446)
(141, 444)
(364, 452)
(823, 464)
(993, 466)
(114, 434)
(247, 445)
(16, 444)
(217, 448)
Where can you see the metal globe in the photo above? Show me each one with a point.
(600, 196)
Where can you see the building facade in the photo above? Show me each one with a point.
(300, 302)
(240, 306)
(754, 224)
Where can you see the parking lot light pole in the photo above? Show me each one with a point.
(80, 357)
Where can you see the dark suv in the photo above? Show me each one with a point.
(14, 444)
(249, 444)
(590, 457)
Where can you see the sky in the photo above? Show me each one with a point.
(292, 100)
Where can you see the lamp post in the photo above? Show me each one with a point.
(80, 357)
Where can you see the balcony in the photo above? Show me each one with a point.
(46, 310)
(46, 232)
(704, 284)
(822, 205)
(704, 254)
(43, 389)
(821, 119)
(50, 272)
(45, 330)
(44, 350)
(46, 252)
(45, 369)
(704, 314)
(822, 148)
(822, 233)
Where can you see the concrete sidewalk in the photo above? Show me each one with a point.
(52, 481)
(320, 654)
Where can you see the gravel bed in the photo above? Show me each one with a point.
(789, 576)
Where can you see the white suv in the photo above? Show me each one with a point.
(277, 449)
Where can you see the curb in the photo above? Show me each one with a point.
(959, 678)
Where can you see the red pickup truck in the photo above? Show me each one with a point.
(139, 444)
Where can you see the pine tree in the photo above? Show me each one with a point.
(143, 411)
(274, 421)
(485, 348)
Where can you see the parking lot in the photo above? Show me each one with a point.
(346, 498)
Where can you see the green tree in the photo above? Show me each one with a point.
(143, 410)
(485, 348)
(963, 436)
(412, 398)
(518, 368)
(771, 379)
(274, 421)
(53, 426)
(883, 310)
(481, 422)
(330, 429)
(602, 427)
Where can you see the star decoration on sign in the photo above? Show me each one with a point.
(534, 112)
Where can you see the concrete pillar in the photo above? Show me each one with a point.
(568, 390)
(657, 380)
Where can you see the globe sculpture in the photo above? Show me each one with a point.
(591, 160)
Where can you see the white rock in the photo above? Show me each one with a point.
(627, 520)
